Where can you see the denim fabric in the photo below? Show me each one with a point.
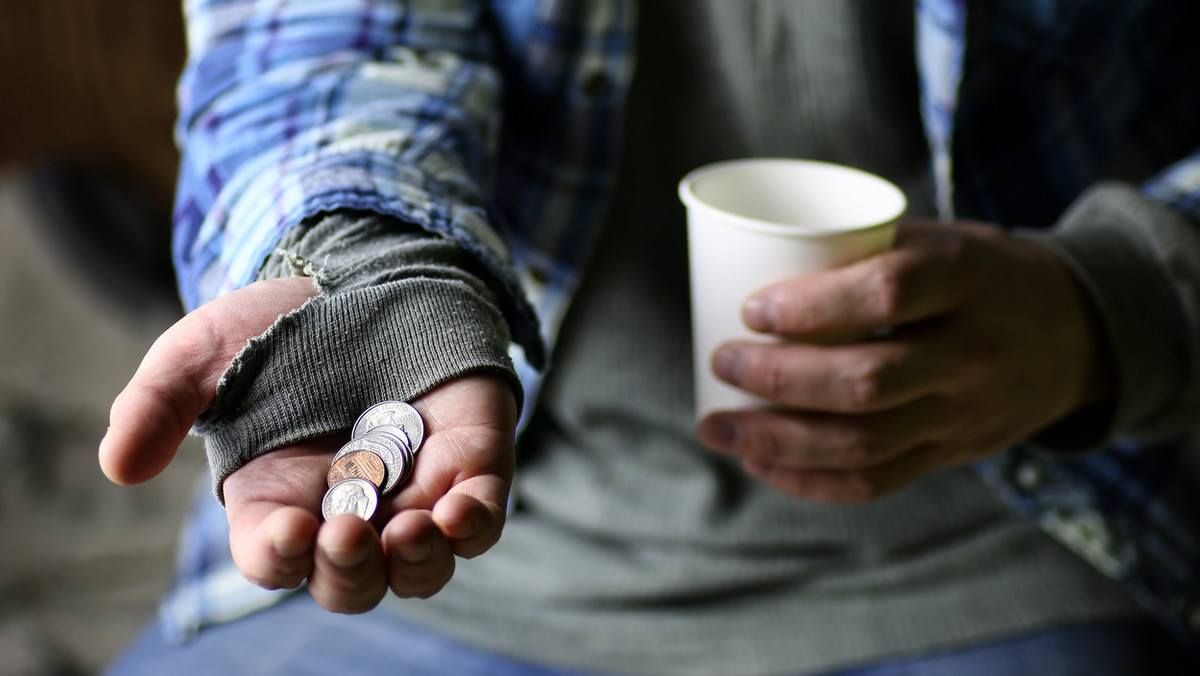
(298, 637)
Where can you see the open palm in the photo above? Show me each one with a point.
(453, 504)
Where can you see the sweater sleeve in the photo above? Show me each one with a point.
(400, 310)
(1138, 259)
(292, 110)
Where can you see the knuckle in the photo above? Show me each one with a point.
(775, 385)
(769, 447)
(983, 359)
(777, 381)
(766, 375)
(866, 385)
(760, 444)
(860, 447)
(885, 291)
(800, 312)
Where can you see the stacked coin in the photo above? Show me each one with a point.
(379, 456)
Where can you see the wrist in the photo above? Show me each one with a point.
(1088, 366)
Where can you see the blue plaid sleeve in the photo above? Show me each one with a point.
(293, 108)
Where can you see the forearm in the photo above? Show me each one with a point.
(381, 109)
(290, 111)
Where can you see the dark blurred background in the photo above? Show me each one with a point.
(87, 168)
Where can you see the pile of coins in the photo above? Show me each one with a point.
(379, 456)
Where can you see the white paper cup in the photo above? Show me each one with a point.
(755, 222)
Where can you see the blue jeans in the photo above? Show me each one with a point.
(298, 637)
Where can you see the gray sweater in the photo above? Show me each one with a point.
(630, 548)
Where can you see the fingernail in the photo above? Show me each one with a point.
(760, 314)
(347, 557)
(718, 433)
(729, 365)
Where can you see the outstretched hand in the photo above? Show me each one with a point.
(453, 505)
(975, 340)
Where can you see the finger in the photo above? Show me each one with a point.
(272, 545)
(464, 472)
(857, 377)
(418, 556)
(896, 287)
(475, 462)
(469, 510)
(152, 415)
(178, 377)
(849, 486)
(797, 440)
(471, 525)
(349, 575)
(272, 503)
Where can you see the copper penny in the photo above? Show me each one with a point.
(358, 465)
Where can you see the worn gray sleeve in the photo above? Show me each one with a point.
(1139, 261)
(399, 311)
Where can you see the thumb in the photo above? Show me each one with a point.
(178, 377)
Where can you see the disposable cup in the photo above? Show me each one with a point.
(754, 222)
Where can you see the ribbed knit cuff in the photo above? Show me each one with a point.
(316, 369)
(1111, 240)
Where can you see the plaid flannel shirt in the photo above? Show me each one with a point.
(496, 123)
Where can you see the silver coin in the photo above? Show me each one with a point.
(395, 431)
(395, 436)
(398, 413)
(352, 496)
(403, 453)
(395, 455)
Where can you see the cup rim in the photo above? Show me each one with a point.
(693, 202)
